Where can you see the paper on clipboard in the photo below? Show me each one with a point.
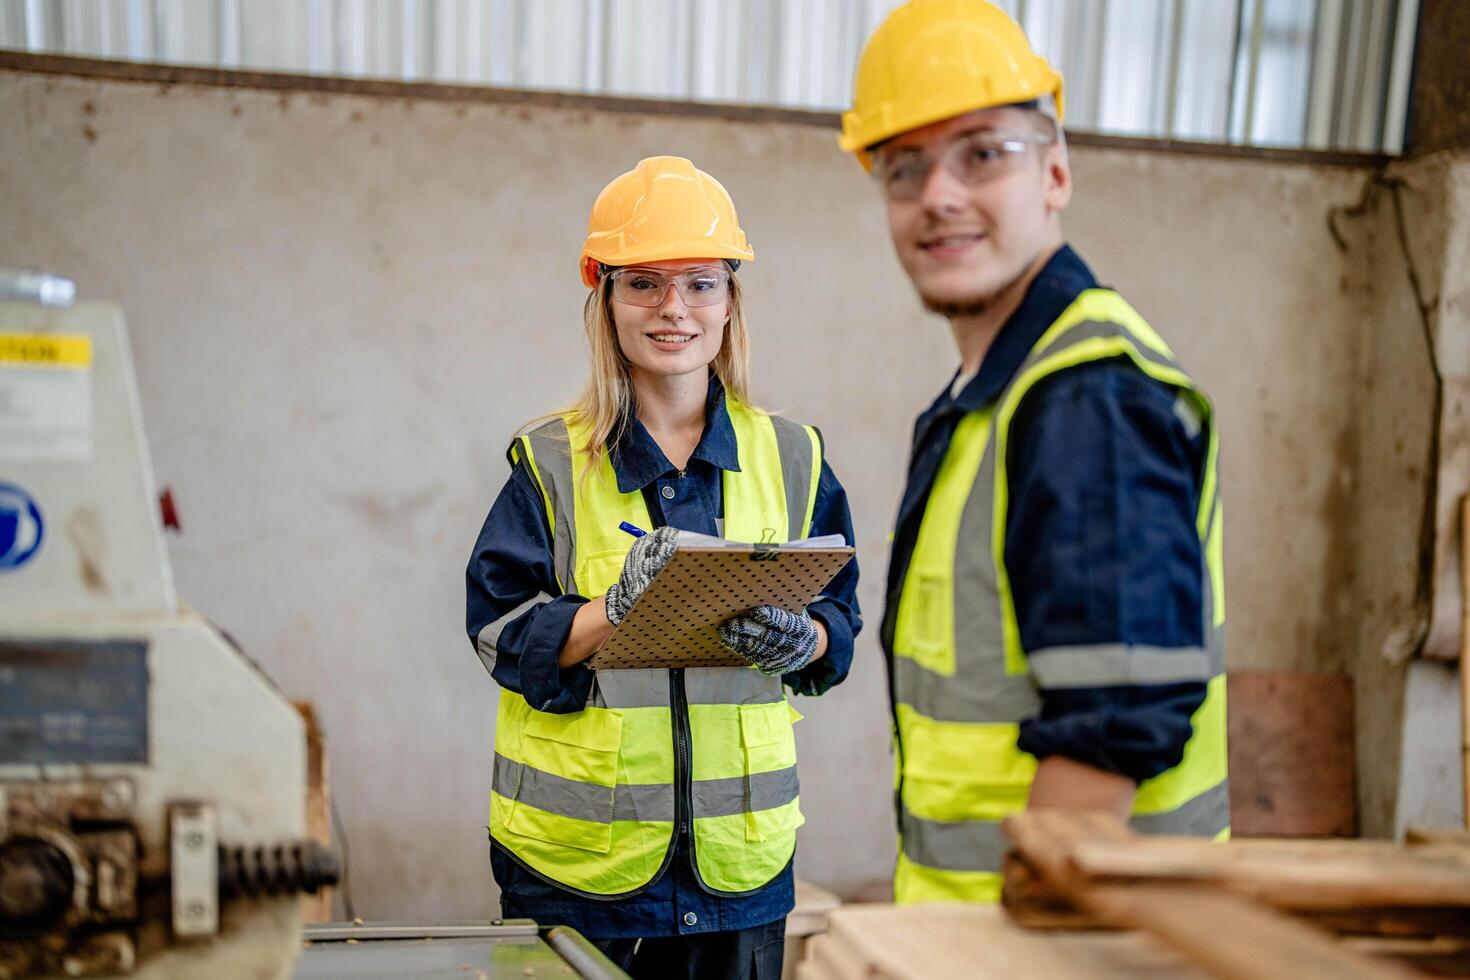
(709, 580)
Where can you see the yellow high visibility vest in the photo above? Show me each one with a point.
(962, 683)
(589, 800)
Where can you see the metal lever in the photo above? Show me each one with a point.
(35, 286)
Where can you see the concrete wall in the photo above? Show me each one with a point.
(1413, 232)
(342, 305)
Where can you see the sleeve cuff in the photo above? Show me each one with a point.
(822, 675)
(544, 684)
(1138, 732)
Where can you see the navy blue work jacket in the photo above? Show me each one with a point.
(1101, 546)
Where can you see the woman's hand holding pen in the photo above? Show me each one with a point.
(649, 554)
(596, 620)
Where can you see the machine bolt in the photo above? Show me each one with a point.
(22, 891)
(116, 797)
(35, 883)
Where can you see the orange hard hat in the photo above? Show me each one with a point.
(664, 208)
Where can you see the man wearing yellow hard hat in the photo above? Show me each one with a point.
(1055, 617)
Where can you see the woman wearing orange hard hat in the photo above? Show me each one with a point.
(655, 811)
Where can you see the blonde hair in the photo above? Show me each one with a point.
(606, 404)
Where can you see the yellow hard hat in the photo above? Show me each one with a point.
(936, 59)
(664, 208)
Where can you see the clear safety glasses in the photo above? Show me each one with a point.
(972, 160)
(647, 287)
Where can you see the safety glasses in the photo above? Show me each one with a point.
(648, 287)
(973, 160)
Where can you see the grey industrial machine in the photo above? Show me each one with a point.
(152, 779)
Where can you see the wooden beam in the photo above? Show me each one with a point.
(1226, 935)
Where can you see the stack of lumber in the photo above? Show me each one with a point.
(1248, 908)
(1085, 898)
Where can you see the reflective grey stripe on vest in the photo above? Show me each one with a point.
(582, 801)
(1203, 816)
(646, 802)
(487, 642)
(731, 685)
(970, 845)
(702, 685)
(552, 448)
(630, 689)
(1116, 665)
(979, 845)
(1091, 329)
(742, 794)
(795, 446)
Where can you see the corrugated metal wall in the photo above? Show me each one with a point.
(1322, 74)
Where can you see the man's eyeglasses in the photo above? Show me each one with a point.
(973, 160)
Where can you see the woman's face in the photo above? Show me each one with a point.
(672, 338)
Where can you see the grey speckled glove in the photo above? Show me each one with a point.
(647, 558)
(775, 641)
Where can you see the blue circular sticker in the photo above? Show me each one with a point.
(21, 527)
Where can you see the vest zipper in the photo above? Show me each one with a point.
(683, 763)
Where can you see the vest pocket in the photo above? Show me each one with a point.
(926, 623)
(769, 740)
(767, 735)
(600, 570)
(956, 771)
(570, 771)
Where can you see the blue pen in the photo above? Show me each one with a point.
(635, 531)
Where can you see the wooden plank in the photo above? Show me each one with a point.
(1291, 754)
(1442, 956)
(815, 966)
(926, 941)
(318, 907)
(839, 959)
(1227, 936)
(813, 905)
(1231, 938)
(1437, 835)
(1047, 912)
(1315, 875)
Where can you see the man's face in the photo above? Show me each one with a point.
(975, 227)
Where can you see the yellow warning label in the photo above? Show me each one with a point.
(60, 350)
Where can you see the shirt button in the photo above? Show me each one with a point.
(690, 919)
(668, 493)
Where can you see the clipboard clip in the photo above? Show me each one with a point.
(765, 548)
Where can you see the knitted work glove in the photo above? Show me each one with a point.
(646, 559)
(775, 641)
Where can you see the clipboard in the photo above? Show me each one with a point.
(674, 621)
